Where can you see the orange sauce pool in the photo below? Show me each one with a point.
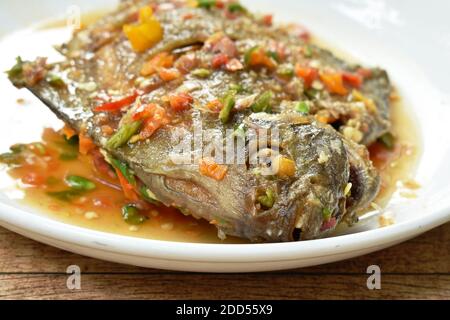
(397, 167)
(45, 171)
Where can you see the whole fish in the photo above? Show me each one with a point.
(154, 74)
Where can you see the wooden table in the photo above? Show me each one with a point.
(418, 269)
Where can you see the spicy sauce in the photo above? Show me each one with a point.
(41, 170)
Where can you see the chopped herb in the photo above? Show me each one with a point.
(302, 107)
(267, 200)
(132, 216)
(201, 73)
(387, 140)
(16, 71)
(237, 87)
(263, 102)
(55, 81)
(124, 134)
(236, 7)
(228, 104)
(207, 4)
(67, 195)
(123, 168)
(248, 55)
(285, 70)
(79, 183)
(326, 213)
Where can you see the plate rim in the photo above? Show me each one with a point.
(214, 253)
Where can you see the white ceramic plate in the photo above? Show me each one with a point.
(411, 39)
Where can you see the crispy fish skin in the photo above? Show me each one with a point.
(326, 162)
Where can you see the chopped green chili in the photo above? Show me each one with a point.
(55, 81)
(201, 73)
(239, 88)
(124, 169)
(387, 140)
(66, 195)
(124, 134)
(267, 200)
(148, 195)
(132, 216)
(302, 107)
(16, 71)
(207, 4)
(263, 102)
(228, 104)
(326, 213)
(79, 183)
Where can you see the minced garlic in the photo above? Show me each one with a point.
(348, 188)
(91, 215)
(385, 221)
(410, 184)
(323, 157)
(352, 134)
(167, 226)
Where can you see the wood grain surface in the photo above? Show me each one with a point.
(418, 269)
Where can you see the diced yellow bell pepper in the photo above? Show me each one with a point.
(147, 33)
(369, 103)
(145, 14)
(192, 3)
(286, 167)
